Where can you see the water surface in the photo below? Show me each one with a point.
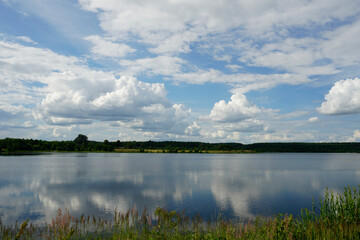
(240, 186)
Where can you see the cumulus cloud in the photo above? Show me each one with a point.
(237, 109)
(65, 91)
(126, 100)
(343, 98)
(354, 137)
(357, 134)
(229, 120)
(8, 111)
(161, 119)
(108, 99)
(193, 130)
(234, 131)
(25, 70)
(264, 44)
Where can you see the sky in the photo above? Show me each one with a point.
(183, 70)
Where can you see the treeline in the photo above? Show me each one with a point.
(81, 143)
(353, 147)
(15, 145)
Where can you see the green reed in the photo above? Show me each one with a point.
(337, 217)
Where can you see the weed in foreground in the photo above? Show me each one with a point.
(338, 217)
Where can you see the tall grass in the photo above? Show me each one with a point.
(336, 216)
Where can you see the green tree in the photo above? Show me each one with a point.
(80, 139)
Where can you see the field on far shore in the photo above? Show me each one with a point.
(128, 150)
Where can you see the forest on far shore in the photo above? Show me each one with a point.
(82, 144)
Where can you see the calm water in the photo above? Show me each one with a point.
(238, 186)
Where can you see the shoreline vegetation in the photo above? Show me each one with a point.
(336, 216)
(82, 144)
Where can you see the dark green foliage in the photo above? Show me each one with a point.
(304, 147)
(81, 143)
(81, 139)
(29, 145)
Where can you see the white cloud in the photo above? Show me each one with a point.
(177, 43)
(357, 134)
(225, 57)
(25, 70)
(11, 110)
(281, 137)
(65, 17)
(160, 65)
(63, 131)
(237, 109)
(258, 34)
(336, 48)
(313, 119)
(157, 118)
(303, 56)
(163, 22)
(193, 130)
(55, 132)
(178, 70)
(342, 45)
(234, 67)
(102, 99)
(287, 54)
(65, 91)
(354, 137)
(103, 47)
(229, 120)
(25, 39)
(167, 26)
(343, 98)
(290, 115)
(241, 83)
(264, 43)
(248, 125)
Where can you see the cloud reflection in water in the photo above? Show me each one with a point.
(240, 186)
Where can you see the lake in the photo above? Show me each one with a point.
(239, 186)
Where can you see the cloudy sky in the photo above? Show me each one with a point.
(213, 71)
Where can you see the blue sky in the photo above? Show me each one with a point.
(212, 71)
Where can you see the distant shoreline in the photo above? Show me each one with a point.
(18, 146)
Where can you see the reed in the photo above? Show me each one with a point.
(336, 216)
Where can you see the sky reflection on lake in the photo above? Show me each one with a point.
(238, 186)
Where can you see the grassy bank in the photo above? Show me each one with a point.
(337, 217)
